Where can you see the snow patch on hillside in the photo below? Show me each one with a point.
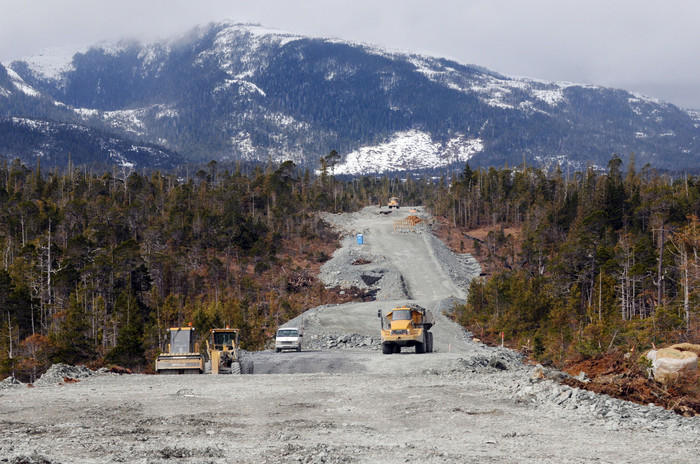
(407, 151)
(244, 87)
(86, 113)
(53, 62)
(126, 120)
(32, 124)
(166, 112)
(552, 97)
(254, 40)
(20, 85)
(281, 37)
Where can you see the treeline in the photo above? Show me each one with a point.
(603, 260)
(95, 268)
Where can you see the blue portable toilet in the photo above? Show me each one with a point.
(360, 239)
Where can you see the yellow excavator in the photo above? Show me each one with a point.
(224, 353)
(183, 356)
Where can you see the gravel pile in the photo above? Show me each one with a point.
(378, 274)
(461, 268)
(341, 342)
(501, 359)
(58, 372)
(617, 414)
(10, 382)
(345, 223)
(34, 458)
(320, 453)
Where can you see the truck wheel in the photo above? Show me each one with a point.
(429, 342)
(397, 349)
(298, 348)
(278, 350)
(235, 368)
(246, 367)
(387, 349)
(420, 348)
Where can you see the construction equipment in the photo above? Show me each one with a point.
(394, 202)
(183, 356)
(224, 353)
(405, 326)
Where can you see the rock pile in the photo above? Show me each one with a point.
(59, 372)
(34, 458)
(462, 269)
(10, 382)
(352, 267)
(341, 342)
(500, 359)
(543, 389)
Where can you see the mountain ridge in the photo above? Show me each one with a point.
(230, 92)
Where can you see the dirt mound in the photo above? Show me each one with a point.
(414, 219)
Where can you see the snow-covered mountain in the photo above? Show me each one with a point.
(54, 133)
(228, 91)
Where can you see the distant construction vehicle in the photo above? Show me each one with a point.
(224, 353)
(183, 356)
(394, 202)
(406, 326)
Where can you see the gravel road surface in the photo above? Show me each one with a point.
(341, 400)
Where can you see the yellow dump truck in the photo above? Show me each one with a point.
(224, 353)
(183, 356)
(394, 202)
(406, 326)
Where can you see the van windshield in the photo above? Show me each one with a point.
(287, 333)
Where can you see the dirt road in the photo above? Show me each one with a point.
(341, 400)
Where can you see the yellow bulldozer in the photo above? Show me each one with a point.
(183, 356)
(407, 326)
(225, 354)
(394, 202)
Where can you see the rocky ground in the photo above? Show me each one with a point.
(340, 399)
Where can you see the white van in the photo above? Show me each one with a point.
(288, 338)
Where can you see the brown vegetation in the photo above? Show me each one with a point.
(625, 376)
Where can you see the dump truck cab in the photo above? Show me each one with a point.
(394, 202)
(288, 338)
(182, 356)
(407, 326)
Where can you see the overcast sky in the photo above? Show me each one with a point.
(645, 46)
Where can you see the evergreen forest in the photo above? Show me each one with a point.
(599, 261)
(95, 267)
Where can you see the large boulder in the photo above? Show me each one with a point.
(670, 363)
